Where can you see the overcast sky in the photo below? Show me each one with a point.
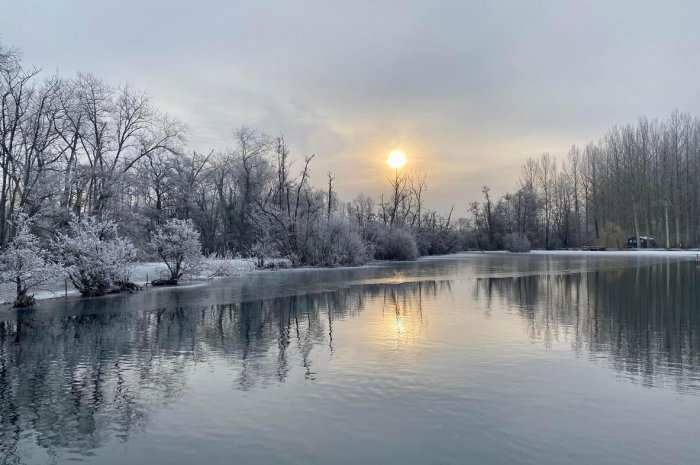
(467, 89)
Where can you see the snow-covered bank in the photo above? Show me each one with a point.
(688, 254)
(213, 268)
(622, 253)
(145, 272)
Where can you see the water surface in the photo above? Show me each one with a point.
(489, 359)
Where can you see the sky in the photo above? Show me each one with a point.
(469, 90)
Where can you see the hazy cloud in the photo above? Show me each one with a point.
(468, 89)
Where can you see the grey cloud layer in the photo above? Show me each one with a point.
(471, 88)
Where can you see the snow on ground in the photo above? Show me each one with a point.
(623, 253)
(214, 268)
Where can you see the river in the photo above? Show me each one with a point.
(474, 358)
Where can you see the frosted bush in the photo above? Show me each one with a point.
(437, 242)
(336, 242)
(517, 242)
(97, 259)
(177, 244)
(395, 244)
(262, 250)
(26, 265)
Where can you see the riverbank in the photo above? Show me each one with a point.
(622, 252)
(691, 253)
(145, 272)
(215, 269)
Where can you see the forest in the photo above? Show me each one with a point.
(81, 158)
(639, 179)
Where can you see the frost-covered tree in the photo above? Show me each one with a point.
(395, 244)
(177, 244)
(336, 242)
(97, 259)
(263, 249)
(25, 264)
(517, 242)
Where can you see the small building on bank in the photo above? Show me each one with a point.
(644, 242)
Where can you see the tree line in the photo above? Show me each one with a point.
(640, 180)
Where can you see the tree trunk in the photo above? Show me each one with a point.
(636, 226)
(668, 236)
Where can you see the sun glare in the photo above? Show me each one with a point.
(396, 159)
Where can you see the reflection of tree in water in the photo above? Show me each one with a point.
(76, 383)
(645, 320)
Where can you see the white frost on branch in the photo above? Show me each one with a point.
(25, 264)
(97, 259)
(177, 244)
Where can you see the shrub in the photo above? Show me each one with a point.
(25, 264)
(336, 242)
(395, 244)
(97, 260)
(517, 242)
(612, 237)
(262, 250)
(177, 244)
(438, 242)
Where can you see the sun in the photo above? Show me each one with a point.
(396, 159)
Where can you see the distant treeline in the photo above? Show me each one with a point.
(639, 180)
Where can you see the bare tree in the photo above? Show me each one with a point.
(547, 177)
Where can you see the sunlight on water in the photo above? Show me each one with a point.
(494, 359)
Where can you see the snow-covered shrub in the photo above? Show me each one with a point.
(97, 259)
(177, 244)
(25, 264)
(218, 268)
(437, 242)
(395, 244)
(517, 242)
(336, 242)
(215, 266)
(262, 250)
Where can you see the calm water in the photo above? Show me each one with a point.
(485, 359)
